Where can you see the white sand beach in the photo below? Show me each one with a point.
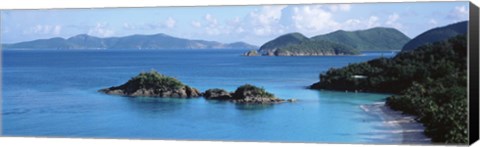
(412, 131)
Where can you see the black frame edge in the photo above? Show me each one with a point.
(473, 47)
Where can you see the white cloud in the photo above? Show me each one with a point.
(269, 21)
(235, 21)
(212, 26)
(209, 25)
(57, 29)
(392, 21)
(41, 29)
(314, 19)
(240, 30)
(358, 24)
(196, 24)
(432, 22)
(170, 23)
(211, 20)
(373, 22)
(352, 22)
(267, 15)
(129, 26)
(101, 30)
(44, 30)
(458, 13)
(265, 21)
(340, 7)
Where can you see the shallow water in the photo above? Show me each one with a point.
(53, 93)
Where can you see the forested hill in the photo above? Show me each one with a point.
(282, 41)
(336, 43)
(437, 34)
(429, 82)
(378, 38)
(296, 44)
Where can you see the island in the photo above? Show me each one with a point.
(153, 84)
(246, 94)
(336, 43)
(296, 44)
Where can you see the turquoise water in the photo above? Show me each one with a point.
(53, 94)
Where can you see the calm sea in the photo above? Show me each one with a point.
(54, 94)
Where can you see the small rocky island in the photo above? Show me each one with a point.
(153, 84)
(251, 53)
(247, 94)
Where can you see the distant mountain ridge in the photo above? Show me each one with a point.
(377, 38)
(155, 41)
(437, 34)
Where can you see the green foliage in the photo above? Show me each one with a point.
(437, 34)
(440, 104)
(430, 82)
(323, 47)
(248, 90)
(372, 39)
(153, 80)
(336, 43)
(282, 41)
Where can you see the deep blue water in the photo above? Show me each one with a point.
(54, 94)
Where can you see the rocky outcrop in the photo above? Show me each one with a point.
(153, 84)
(217, 93)
(251, 53)
(247, 94)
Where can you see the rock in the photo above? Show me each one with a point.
(291, 100)
(251, 53)
(192, 92)
(217, 93)
(246, 94)
(153, 84)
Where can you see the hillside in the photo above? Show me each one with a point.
(437, 34)
(156, 41)
(315, 48)
(429, 82)
(296, 44)
(282, 41)
(378, 38)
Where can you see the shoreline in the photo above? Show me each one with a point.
(412, 131)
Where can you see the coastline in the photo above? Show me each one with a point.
(412, 131)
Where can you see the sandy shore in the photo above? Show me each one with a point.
(412, 131)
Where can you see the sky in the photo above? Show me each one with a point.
(255, 24)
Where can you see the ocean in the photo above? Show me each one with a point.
(54, 94)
